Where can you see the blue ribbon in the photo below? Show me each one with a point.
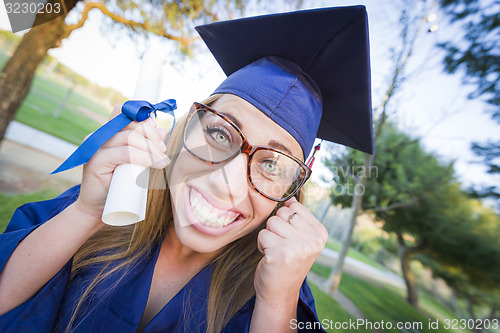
(131, 111)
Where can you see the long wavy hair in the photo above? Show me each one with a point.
(119, 248)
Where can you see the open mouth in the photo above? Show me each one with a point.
(209, 215)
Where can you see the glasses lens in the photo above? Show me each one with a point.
(274, 174)
(210, 137)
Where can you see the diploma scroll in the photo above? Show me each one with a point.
(128, 191)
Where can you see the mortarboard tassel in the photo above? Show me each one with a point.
(312, 158)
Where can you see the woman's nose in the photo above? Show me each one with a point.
(229, 180)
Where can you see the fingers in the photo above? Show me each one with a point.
(150, 130)
(298, 228)
(111, 157)
(292, 242)
(266, 241)
(303, 221)
(280, 227)
(286, 214)
(138, 143)
(134, 139)
(296, 206)
(148, 127)
(117, 109)
(149, 122)
(163, 133)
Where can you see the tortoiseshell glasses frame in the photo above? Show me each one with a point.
(249, 150)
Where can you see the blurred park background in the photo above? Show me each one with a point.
(414, 229)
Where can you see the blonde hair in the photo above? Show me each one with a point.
(234, 267)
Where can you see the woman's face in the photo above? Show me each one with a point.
(214, 205)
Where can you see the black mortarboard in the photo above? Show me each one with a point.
(308, 70)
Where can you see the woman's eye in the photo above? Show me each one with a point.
(220, 137)
(270, 167)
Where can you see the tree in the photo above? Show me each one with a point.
(476, 55)
(173, 20)
(474, 274)
(416, 197)
(476, 52)
(404, 176)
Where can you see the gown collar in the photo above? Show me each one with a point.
(125, 293)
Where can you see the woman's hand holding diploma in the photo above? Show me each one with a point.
(139, 143)
(291, 242)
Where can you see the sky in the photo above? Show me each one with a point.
(431, 105)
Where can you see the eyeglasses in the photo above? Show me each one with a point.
(213, 138)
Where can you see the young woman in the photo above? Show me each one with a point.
(226, 245)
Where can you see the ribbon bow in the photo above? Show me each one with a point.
(131, 111)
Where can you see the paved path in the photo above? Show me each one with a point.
(31, 137)
(27, 156)
(357, 268)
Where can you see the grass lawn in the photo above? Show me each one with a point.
(328, 309)
(43, 100)
(10, 202)
(431, 305)
(379, 304)
(41, 103)
(385, 304)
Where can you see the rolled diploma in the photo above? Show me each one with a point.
(128, 191)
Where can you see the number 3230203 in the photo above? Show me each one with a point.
(32, 8)
(471, 324)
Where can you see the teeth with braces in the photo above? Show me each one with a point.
(208, 214)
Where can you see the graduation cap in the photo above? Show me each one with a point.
(309, 71)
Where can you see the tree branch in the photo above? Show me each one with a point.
(401, 62)
(419, 247)
(411, 249)
(83, 18)
(392, 206)
(492, 313)
(400, 145)
(132, 24)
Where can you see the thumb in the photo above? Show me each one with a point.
(259, 246)
(163, 133)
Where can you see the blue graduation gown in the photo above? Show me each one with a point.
(119, 301)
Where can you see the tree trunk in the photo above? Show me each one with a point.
(405, 252)
(470, 309)
(325, 211)
(18, 72)
(333, 281)
(411, 282)
(453, 301)
(492, 313)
